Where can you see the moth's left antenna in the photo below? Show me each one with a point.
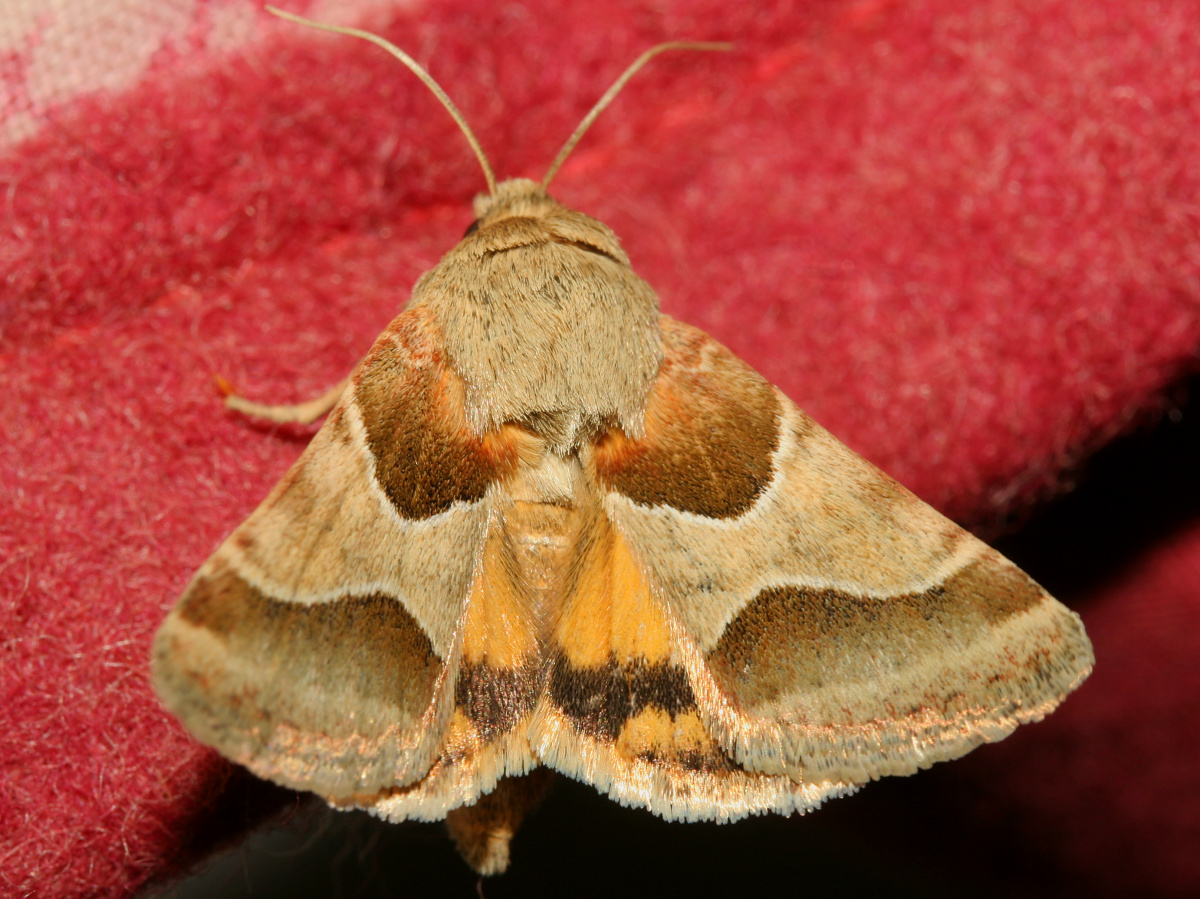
(416, 69)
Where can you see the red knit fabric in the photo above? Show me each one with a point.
(962, 236)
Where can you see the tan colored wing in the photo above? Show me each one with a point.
(498, 677)
(619, 711)
(320, 646)
(833, 627)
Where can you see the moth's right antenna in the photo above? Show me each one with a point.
(416, 69)
(612, 92)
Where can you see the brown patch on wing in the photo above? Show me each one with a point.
(601, 700)
(820, 685)
(496, 700)
(367, 643)
(712, 424)
(795, 639)
(325, 696)
(618, 709)
(634, 715)
(500, 672)
(426, 457)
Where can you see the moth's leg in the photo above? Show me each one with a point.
(304, 413)
(482, 832)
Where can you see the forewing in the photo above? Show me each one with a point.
(834, 628)
(619, 711)
(319, 644)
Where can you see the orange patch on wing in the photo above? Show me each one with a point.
(610, 612)
(656, 733)
(712, 426)
(511, 446)
(500, 629)
(462, 738)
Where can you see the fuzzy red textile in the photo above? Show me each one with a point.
(962, 236)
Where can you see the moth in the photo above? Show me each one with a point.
(546, 527)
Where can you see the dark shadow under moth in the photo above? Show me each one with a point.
(545, 527)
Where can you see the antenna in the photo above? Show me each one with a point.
(612, 92)
(416, 69)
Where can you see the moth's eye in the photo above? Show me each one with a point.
(471, 228)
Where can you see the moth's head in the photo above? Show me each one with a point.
(521, 214)
(514, 198)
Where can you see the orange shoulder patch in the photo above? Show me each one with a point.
(426, 457)
(712, 426)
